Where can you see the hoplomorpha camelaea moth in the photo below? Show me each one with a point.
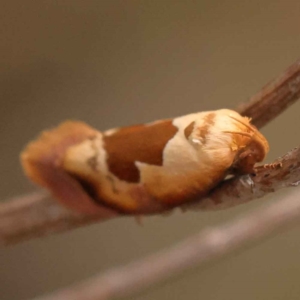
(145, 168)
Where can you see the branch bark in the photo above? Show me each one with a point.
(37, 214)
(274, 98)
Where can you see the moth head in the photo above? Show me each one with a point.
(249, 144)
(229, 139)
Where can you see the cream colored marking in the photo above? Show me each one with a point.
(181, 156)
(195, 141)
(111, 131)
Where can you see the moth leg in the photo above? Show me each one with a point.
(272, 166)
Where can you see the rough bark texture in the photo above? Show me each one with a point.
(274, 98)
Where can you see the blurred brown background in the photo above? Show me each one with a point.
(113, 63)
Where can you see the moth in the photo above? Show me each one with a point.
(145, 168)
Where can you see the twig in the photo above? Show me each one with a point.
(209, 244)
(36, 215)
(273, 98)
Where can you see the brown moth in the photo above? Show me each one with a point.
(144, 168)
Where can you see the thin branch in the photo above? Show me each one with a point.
(209, 244)
(37, 214)
(273, 98)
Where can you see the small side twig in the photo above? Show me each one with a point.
(209, 244)
(37, 214)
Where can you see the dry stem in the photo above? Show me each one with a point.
(37, 214)
(273, 98)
